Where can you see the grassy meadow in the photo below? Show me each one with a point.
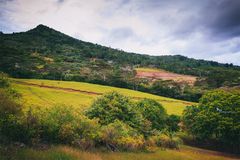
(44, 97)
(46, 93)
(69, 153)
(150, 69)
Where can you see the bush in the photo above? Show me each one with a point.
(167, 140)
(10, 115)
(8, 106)
(118, 135)
(64, 124)
(114, 106)
(4, 81)
(216, 118)
(172, 123)
(153, 112)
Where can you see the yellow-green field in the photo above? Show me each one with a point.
(46, 93)
(149, 69)
(41, 94)
(68, 153)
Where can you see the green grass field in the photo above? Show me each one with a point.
(45, 97)
(69, 153)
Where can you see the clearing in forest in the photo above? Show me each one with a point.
(155, 74)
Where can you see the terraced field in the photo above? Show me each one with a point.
(45, 93)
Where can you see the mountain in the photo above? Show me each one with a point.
(45, 53)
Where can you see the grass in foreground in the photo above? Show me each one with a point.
(35, 95)
(68, 153)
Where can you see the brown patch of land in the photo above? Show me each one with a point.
(165, 75)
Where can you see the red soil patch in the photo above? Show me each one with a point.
(164, 75)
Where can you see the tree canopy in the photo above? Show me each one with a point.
(216, 117)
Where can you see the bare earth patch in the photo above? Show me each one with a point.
(154, 74)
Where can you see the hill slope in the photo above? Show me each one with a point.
(48, 92)
(45, 53)
(155, 74)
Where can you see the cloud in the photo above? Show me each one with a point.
(228, 58)
(223, 18)
(206, 29)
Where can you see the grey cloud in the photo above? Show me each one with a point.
(120, 34)
(60, 1)
(223, 18)
(218, 18)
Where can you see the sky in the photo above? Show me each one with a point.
(202, 29)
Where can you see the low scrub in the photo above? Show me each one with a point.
(118, 135)
(167, 141)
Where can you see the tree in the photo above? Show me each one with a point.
(216, 117)
(172, 123)
(114, 106)
(153, 112)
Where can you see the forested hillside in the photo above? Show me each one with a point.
(45, 53)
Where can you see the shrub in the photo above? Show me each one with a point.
(4, 81)
(8, 106)
(53, 120)
(172, 123)
(88, 131)
(64, 124)
(167, 140)
(216, 118)
(131, 143)
(114, 106)
(153, 112)
(118, 135)
(10, 115)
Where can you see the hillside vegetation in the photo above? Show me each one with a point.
(45, 53)
(156, 74)
(49, 92)
(113, 121)
(38, 121)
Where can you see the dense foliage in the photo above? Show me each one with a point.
(45, 53)
(216, 118)
(114, 106)
(113, 122)
(153, 112)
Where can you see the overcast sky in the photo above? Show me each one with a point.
(206, 29)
